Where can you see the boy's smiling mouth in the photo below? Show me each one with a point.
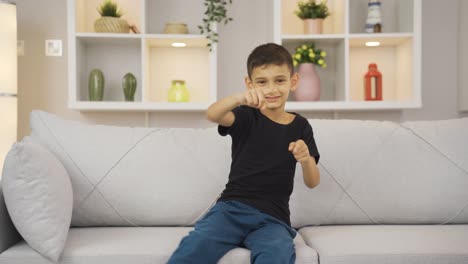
(272, 98)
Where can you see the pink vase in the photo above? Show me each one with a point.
(308, 88)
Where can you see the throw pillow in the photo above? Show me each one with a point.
(38, 196)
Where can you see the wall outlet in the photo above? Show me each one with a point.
(53, 47)
(20, 47)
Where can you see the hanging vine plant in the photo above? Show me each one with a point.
(216, 11)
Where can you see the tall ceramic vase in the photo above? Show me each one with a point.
(129, 84)
(308, 88)
(96, 85)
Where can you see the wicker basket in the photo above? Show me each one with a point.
(111, 25)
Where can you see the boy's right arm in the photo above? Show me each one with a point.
(220, 111)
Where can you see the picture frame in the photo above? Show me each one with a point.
(53, 47)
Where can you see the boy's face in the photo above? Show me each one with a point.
(275, 81)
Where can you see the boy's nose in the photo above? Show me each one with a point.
(270, 88)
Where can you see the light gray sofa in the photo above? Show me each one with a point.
(389, 193)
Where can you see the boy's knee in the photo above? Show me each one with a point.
(284, 247)
(275, 251)
(196, 240)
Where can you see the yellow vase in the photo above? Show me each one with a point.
(178, 92)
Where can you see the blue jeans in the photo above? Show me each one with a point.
(231, 224)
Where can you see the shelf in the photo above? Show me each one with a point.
(295, 39)
(194, 64)
(385, 39)
(315, 36)
(394, 62)
(149, 55)
(108, 35)
(332, 78)
(342, 105)
(173, 11)
(292, 25)
(397, 16)
(165, 40)
(85, 12)
(201, 107)
(138, 106)
(115, 58)
(155, 63)
(398, 56)
(355, 39)
(109, 39)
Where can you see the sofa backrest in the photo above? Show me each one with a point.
(372, 172)
(124, 176)
(375, 172)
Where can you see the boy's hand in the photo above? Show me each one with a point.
(253, 98)
(300, 151)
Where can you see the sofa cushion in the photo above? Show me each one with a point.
(38, 196)
(362, 244)
(129, 245)
(125, 176)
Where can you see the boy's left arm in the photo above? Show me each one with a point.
(309, 167)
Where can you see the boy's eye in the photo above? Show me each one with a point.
(280, 81)
(261, 82)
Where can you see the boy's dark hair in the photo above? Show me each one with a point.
(269, 53)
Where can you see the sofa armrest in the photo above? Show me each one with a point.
(8, 233)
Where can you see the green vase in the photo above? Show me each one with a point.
(129, 84)
(178, 92)
(96, 85)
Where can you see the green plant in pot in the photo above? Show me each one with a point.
(110, 20)
(308, 53)
(215, 12)
(306, 58)
(312, 12)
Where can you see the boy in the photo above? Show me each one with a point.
(267, 141)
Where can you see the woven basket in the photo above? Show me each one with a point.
(112, 25)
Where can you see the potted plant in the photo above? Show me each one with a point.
(110, 20)
(307, 57)
(312, 13)
(215, 12)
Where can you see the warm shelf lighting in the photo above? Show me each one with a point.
(372, 43)
(179, 44)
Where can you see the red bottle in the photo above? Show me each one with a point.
(373, 84)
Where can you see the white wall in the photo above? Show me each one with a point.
(43, 80)
(463, 56)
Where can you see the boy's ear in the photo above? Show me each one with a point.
(294, 81)
(248, 82)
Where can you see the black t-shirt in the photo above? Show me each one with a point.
(262, 168)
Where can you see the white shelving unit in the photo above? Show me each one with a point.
(398, 56)
(148, 55)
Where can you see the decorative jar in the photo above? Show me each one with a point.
(178, 92)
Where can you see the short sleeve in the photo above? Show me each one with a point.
(243, 118)
(308, 137)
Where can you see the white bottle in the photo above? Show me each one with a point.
(374, 20)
